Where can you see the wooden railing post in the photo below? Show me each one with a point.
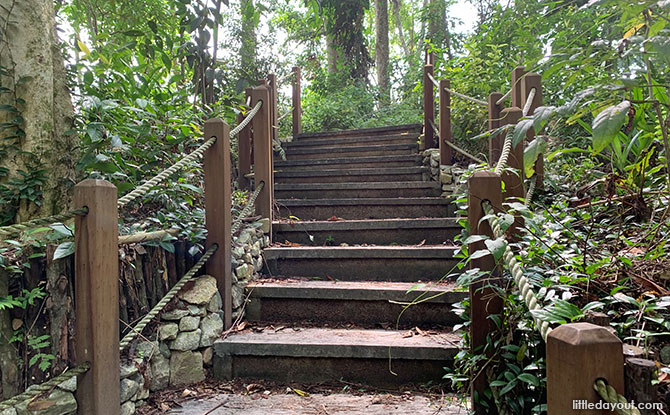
(263, 153)
(578, 354)
(446, 153)
(96, 241)
(516, 81)
(218, 205)
(428, 107)
(534, 80)
(496, 141)
(297, 102)
(272, 82)
(483, 185)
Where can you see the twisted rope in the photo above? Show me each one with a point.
(467, 98)
(454, 146)
(44, 387)
(237, 224)
(516, 269)
(140, 237)
(529, 102)
(247, 119)
(504, 155)
(437, 84)
(531, 190)
(36, 223)
(128, 338)
(610, 395)
(143, 189)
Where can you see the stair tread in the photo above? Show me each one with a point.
(357, 185)
(366, 201)
(353, 224)
(348, 160)
(444, 293)
(309, 142)
(350, 172)
(347, 149)
(374, 252)
(341, 343)
(403, 127)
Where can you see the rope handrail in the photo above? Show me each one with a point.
(284, 115)
(247, 119)
(531, 190)
(237, 223)
(454, 146)
(44, 387)
(504, 154)
(140, 237)
(608, 394)
(529, 102)
(37, 223)
(508, 93)
(437, 84)
(128, 338)
(467, 98)
(143, 189)
(516, 269)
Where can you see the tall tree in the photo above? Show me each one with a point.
(345, 27)
(250, 18)
(38, 151)
(438, 31)
(382, 50)
(397, 5)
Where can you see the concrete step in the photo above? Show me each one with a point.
(356, 190)
(367, 208)
(314, 355)
(394, 129)
(353, 151)
(410, 160)
(393, 174)
(372, 231)
(361, 263)
(403, 138)
(361, 303)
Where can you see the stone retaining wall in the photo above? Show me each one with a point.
(178, 349)
(447, 176)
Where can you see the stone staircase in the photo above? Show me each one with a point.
(359, 232)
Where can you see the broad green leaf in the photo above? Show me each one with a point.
(607, 124)
(475, 238)
(530, 379)
(540, 117)
(496, 247)
(520, 130)
(84, 48)
(64, 250)
(532, 152)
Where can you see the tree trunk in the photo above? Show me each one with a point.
(382, 50)
(9, 369)
(248, 38)
(331, 51)
(438, 31)
(41, 111)
(397, 5)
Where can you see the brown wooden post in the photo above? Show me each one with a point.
(483, 185)
(297, 103)
(247, 93)
(516, 81)
(446, 153)
(272, 82)
(496, 141)
(96, 241)
(218, 206)
(263, 153)
(428, 107)
(578, 354)
(534, 80)
(244, 156)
